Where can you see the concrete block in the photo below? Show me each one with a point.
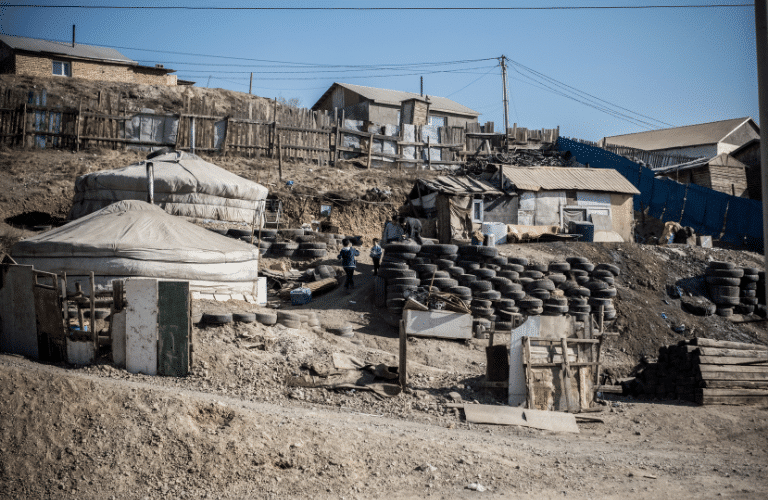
(261, 291)
(118, 339)
(141, 326)
(80, 352)
(517, 387)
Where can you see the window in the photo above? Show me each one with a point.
(477, 210)
(61, 68)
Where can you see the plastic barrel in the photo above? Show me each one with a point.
(585, 229)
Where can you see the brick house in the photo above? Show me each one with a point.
(35, 57)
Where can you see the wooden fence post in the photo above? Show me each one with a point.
(429, 153)
(77, 125)
(192, 135)
(24, 126)
(279, 159)
(370, 150)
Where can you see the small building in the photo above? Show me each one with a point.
(43, 58)
(749, 154)
(695, 141)
(383, 106)
(554, 196)
(451, 207)
(722, 173)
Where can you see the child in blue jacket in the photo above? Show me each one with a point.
(347, 257)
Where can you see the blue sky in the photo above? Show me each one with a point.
(674, 66)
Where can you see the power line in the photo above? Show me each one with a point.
(473, 81)
(346, 77)
(358, 9)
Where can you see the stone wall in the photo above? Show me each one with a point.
(33, 65)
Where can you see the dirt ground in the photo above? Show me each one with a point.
(235, 429)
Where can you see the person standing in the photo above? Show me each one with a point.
(393, 231)
(412, 228)
(376, 256)
(347, 256)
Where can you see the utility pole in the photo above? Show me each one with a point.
(506, 101)
(761, 40)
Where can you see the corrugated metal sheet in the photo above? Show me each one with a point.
(449, 184)
(395, 97)
(79, 50)
(677, 137)
(559, 178)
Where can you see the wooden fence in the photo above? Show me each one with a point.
(264, 129)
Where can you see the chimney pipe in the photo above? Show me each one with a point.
(421, 87)
(73, 35)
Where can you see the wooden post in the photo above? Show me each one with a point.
(226, 136)
(528, 372)
(279, 159)
(339, 126)
(192, 135)
(93, 313)
(370, 150)
(64, 307)
(24, 126)
(602, 318)
(403, 366)
(565, 373)
(77, 126)
(597, 359)
(429, 153)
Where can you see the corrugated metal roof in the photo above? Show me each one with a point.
(450, 184)
(395, 97)
(79, 50)
(678, 137)
(721, 160)
(567, 178)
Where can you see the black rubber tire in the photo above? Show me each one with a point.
(499, 281)
(540, 293)
(544, 284)
(724, 311)
(391, 289)
(596, 285)
(288, 315)
(487, 294)
(558, 267)
(578, 272)
(481, 311)
(750, 278)
(529, 302)
(716, 264)
(468, 265)
(606, 293)
(514, 267)
(238, 233)
(245, 317)
(499, 260)
(461, 291)
(402, 248)
(601, 273)
(542, 268)
(394, 265)
(554, 310)
(582, 280)
(534, 311)
(289, 323)
(455, 272)
(266, 318)
(510, 275)
(483, 274)
(306, 238)
(480, 286)
(597, 302)
(439, 248)
(313, 246)
(532, 273)
(609, 314)
(751, 271)
(435, 274)
(748, 293)
(720, 280)
(517, 295)
(466, 279)
(587, 266)
(750, 301)
(444, 263)
(481, 303)
(744, 309)
(525, 281)
(725, 301)
(725, 291)
(557, 278)
(577, 260)
(407, 281)
(520, 261)
(557, 301)
(503, 326)
(725, 273)
(425, 268)
(613, 269)
(280, 246)
(311, 253)
(217, 319)
(511, 287)
(390, 273)
(504, 304)
(445, 283)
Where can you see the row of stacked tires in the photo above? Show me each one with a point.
(496, 287)
(733, 289)
(288, 319)
(295, 243)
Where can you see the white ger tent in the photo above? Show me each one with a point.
(133, 238)
(184, 185)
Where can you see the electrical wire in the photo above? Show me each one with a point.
(463, 9)
(328, 77)
(473, 81)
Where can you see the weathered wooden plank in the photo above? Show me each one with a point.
(733, 369)
(702, 342)
(717, 351)
(732, 392)
(731, 384)
(730, 360)
(508, 415)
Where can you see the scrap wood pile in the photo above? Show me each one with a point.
(706, 371)
(497, 289)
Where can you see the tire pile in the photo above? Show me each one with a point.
(731, 288)
(294, 243)
(494, 286)
(288, 319)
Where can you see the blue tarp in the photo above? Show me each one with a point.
(704, 208)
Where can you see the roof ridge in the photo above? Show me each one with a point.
(742, 119)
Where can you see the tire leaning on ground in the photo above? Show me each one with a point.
(266, 318)
(245, 317)
(217, 319)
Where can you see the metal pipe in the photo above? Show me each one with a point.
(150, 183)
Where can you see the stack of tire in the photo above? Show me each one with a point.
(289, 319)
(748, 291)
(398, 279)
(484, 276)
(724, 280)
(310, 248)
(602, 290)
(283, 248)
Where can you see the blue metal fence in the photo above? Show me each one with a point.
(730, 218)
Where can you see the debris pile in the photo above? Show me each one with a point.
(706, 371)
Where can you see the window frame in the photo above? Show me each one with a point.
(66, 68)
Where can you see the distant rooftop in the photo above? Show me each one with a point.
(678, 137)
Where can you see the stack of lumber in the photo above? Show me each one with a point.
(708, 372)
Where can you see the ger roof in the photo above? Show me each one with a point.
(79, 50)
(678, 137)
(569, 178)
(395, 97)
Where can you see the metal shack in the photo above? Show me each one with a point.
(554, 196)
(452, 206)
